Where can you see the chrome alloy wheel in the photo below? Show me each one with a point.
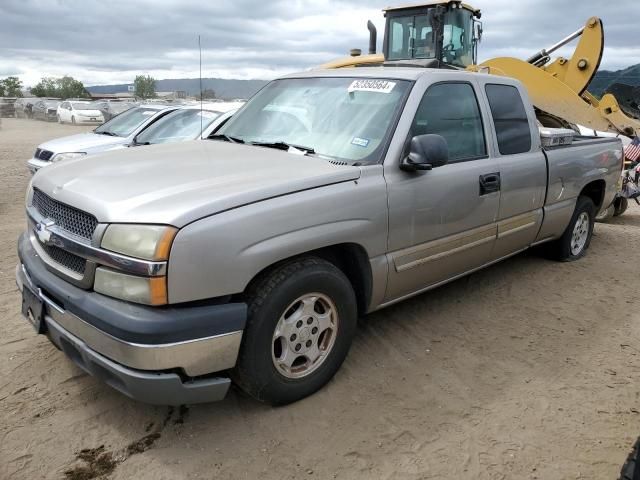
(304, 335)
(580, 234)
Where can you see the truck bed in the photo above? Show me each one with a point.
(571, 168)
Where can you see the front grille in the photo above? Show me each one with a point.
(68, 218)
(66, 259)
(43, 154)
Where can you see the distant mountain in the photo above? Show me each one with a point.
(224, 88)
(605, 78)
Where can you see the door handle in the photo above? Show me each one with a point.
(489, 183)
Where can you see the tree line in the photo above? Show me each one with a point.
(10, 87)
(68, 87)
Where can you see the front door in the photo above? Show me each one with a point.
(442, 222)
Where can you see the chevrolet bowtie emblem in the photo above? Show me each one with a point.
(43, 232)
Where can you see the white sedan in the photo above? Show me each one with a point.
(79, 113)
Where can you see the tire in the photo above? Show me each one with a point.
(606, 215)
(73, 120)
(576, 239)
(621, 204)
(278, 303)
(631, 468)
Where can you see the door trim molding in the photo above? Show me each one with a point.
(417, 255)
(517, 224)
(443, 247)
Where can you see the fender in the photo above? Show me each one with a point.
(219, 255)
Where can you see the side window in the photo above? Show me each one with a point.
(509, 118)
(451, 110)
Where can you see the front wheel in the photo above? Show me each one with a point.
(577, 237)
(73, 120)
(301, 320)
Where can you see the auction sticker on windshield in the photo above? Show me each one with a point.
(371, 85)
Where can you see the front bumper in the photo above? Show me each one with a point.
(158, 356)
(88, 121)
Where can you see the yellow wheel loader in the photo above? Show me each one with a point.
(446, 33)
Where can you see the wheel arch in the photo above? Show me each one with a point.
(595, 190)
(350, 258)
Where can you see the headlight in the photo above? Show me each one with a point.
(149, 291)
(149, 242)
(67, 156)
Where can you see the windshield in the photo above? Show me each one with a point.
(83, 106)
(348, 119)
(125, 124)
(412, 36)
(178, 126)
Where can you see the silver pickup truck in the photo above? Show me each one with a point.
(170, 271)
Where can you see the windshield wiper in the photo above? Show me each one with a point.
(225, 138)
(280, 145)
(107, 132)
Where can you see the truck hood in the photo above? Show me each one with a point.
(81, 142)
(176, 184)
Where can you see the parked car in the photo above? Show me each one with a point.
(169, 270)
(79, 112)
(20, 107)
(187, 123)
(110, 109)
(30, 102)
(45, 110)
(118, 132)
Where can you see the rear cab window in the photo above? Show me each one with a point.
(509, 118)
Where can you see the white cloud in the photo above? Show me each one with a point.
(111, 42)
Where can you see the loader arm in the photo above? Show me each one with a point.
(559, 89)
(578, 71)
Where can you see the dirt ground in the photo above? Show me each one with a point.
(526, 370)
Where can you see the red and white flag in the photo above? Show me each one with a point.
(632, 151)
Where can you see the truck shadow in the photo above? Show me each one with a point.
(447, 357)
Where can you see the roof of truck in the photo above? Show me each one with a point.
(397, 73)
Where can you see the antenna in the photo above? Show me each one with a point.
(200, 50)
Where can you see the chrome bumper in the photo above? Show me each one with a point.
(195, 357)
(160, 388)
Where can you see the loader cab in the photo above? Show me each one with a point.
(443, 34)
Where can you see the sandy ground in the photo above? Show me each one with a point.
(526, 370)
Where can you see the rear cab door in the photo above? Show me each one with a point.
(521, 163)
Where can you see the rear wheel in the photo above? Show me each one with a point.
(301, 320)
(577, 237)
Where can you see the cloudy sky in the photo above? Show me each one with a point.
(110, 41)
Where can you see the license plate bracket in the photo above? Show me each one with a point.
(33, 308)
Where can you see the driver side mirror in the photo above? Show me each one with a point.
(425, 153)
